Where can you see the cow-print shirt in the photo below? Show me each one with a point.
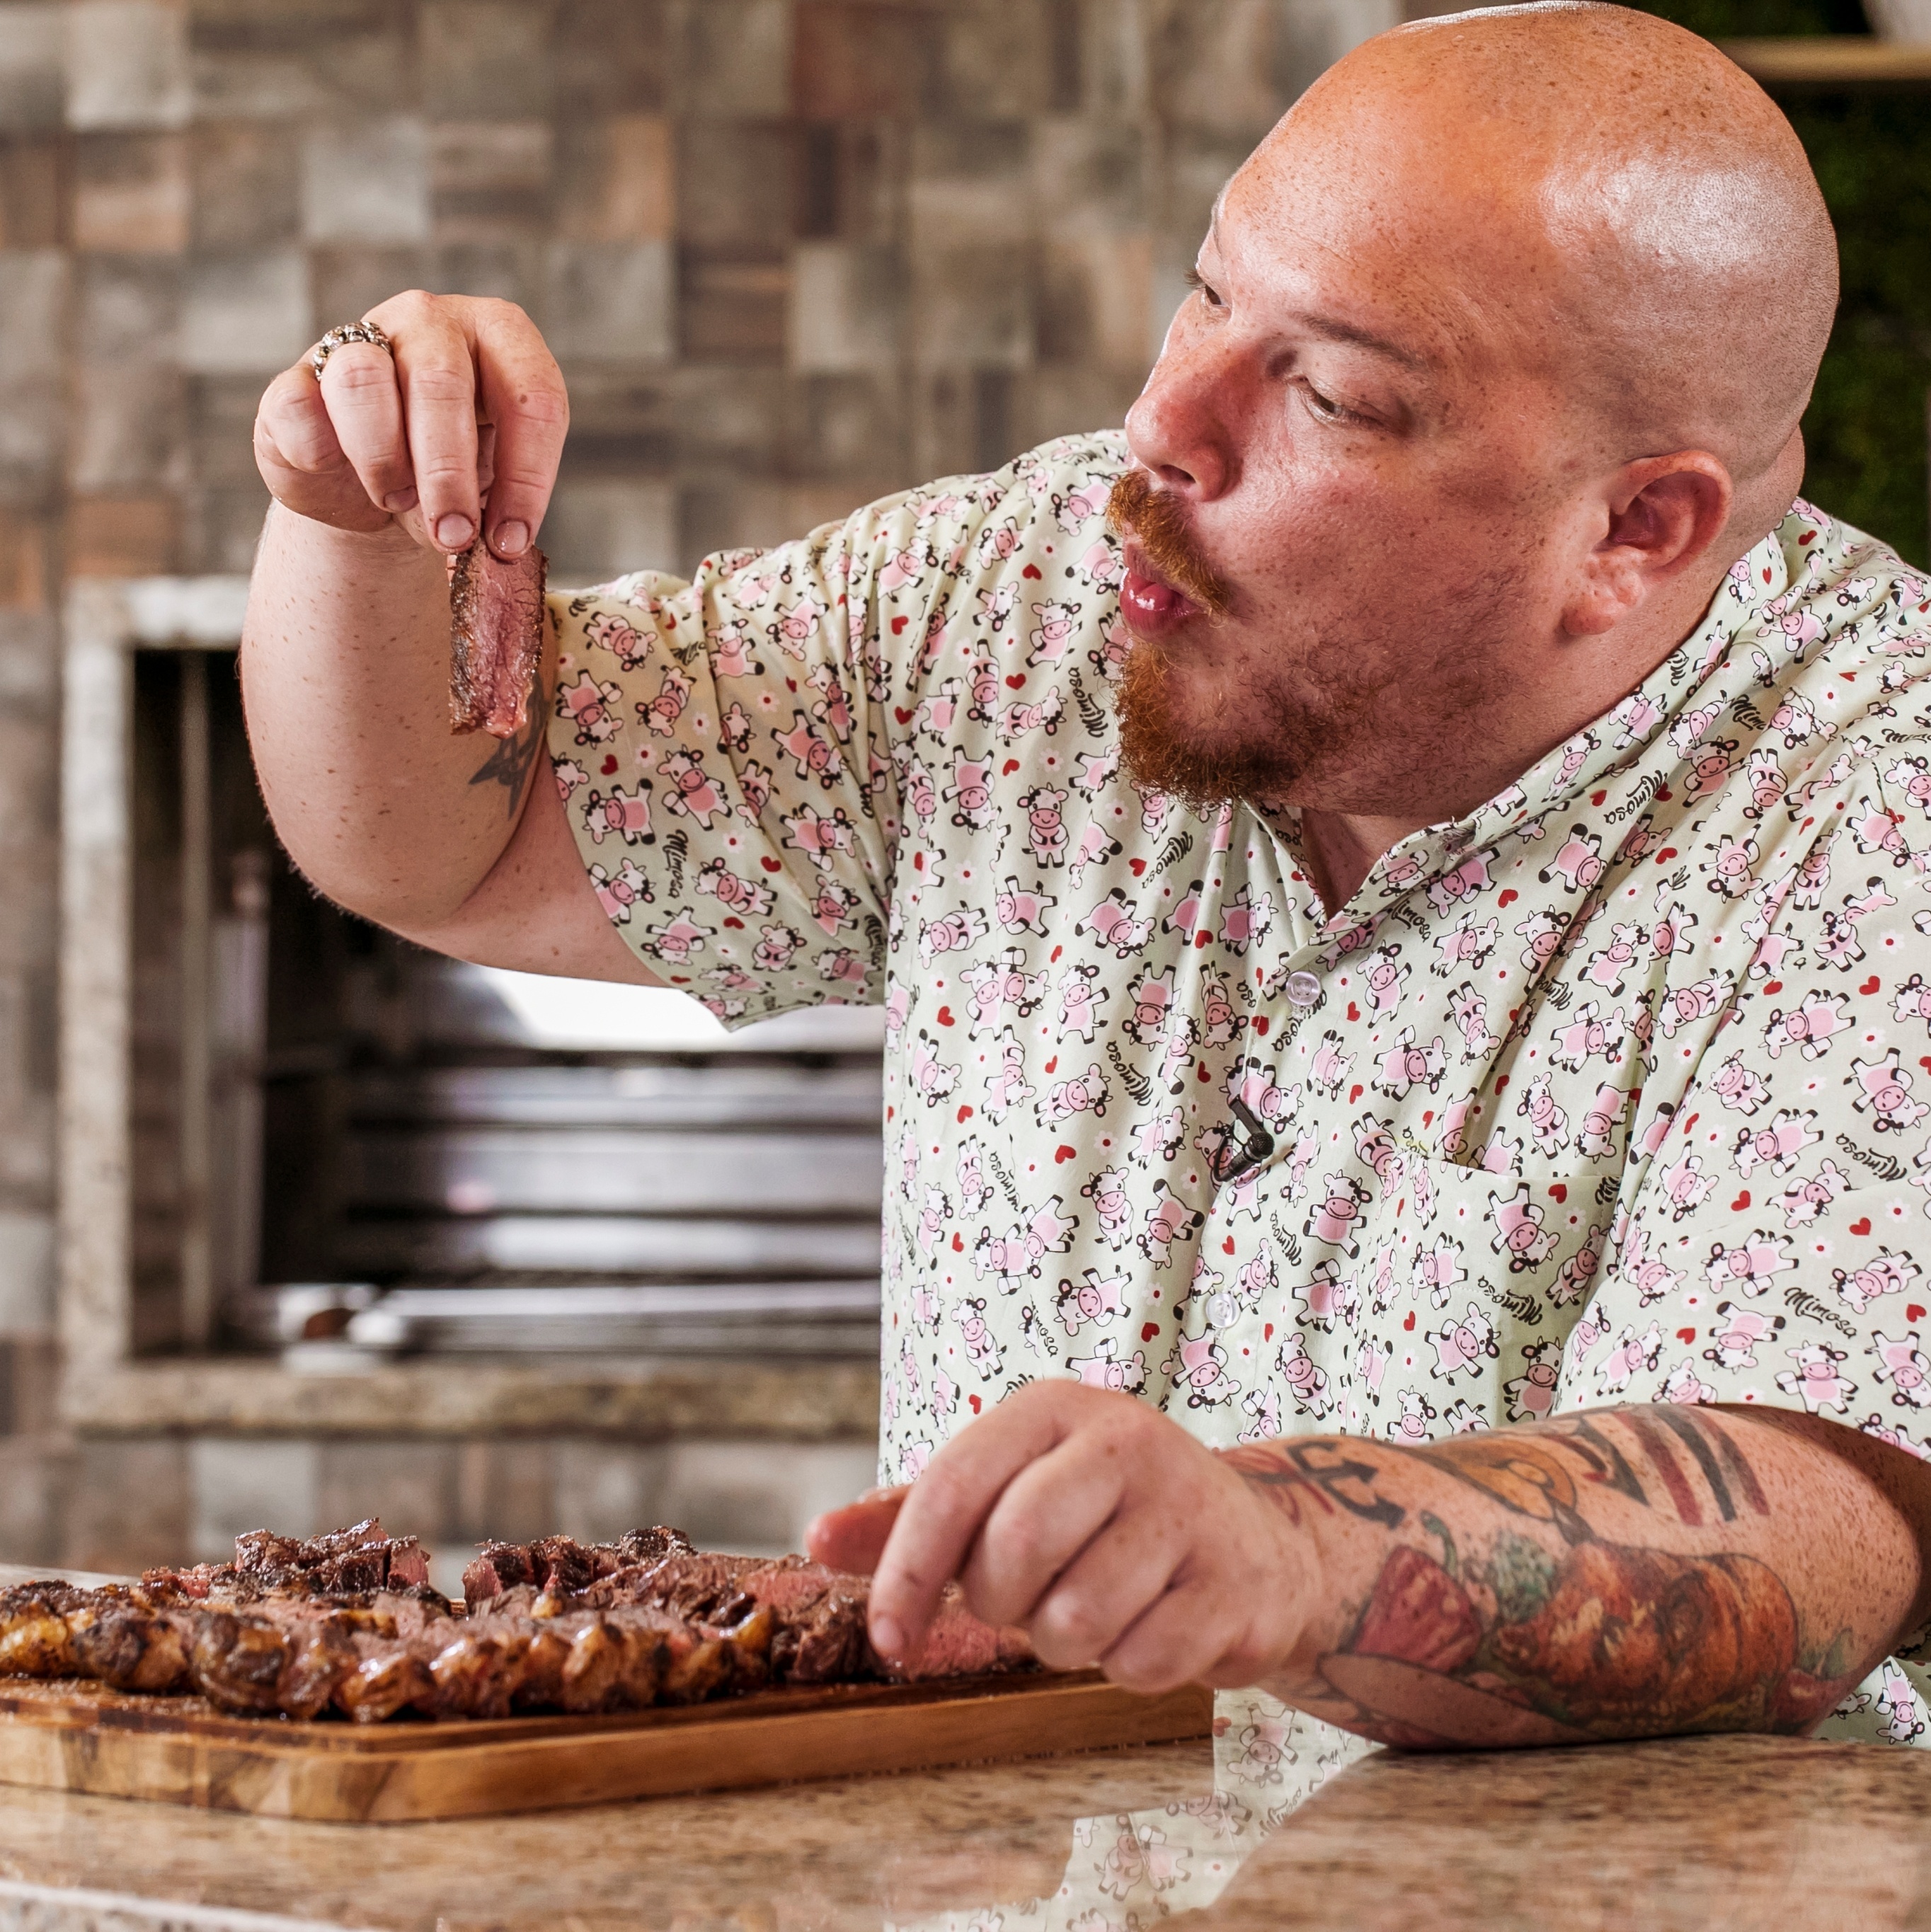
(1618, 1089)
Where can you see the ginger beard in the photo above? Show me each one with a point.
(1249, 739)
(1347, 704)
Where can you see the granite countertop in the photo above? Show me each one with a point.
(1700, 1832)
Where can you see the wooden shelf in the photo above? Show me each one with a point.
(1833, 60)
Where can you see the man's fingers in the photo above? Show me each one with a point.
(1109, 1584)
(1046, 1515)
(852, 1539)
(946, 1505)
(524, 397)
(302, 461)
(360, 392)
(1189, 1634)
(436, 375)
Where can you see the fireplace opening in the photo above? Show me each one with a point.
(346, 1148)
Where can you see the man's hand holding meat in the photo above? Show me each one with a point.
(1394, 884)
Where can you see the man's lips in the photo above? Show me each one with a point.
(1152, 606)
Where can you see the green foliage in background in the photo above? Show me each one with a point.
(1865, 427)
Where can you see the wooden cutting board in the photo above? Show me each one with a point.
(68, 1735)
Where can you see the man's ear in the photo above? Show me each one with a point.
(1661, 513)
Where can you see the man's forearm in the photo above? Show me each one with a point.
(1622, 1574)
(345, 666)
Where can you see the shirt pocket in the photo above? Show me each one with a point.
(1470, 1284)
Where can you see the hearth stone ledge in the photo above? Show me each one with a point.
(636, 1399)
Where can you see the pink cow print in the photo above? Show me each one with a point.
(1080, 1001)
(1591, 1035)
(627, 814)
(1809, 1027)
(1093, 1299)
(1111, 1205)
(1008, 1087)
(1548, 1125)
(1305, 1381)
(777, 947)
(1578, 861)
(1684, 1006)
(1406, 1065)
(1242, 923)
(1468, 880)
(1903, 1364)
(1685, 1186)
(1053, 632)
(1094, 848)
(1112, 923)
(1438, 1271)
(1469, 1011)
(1736, 1334)
(749, 898)
(661, 713)
(1806, 1197)
(982, 1346)
(1337, 1214)
(1738, 1087)
(1018, 911)
(1462, 1345)
(1411, 1424)
(1466, 944)
(1598, 1137)
(1633, 1354)
(618, 893)
(1817, 1379)
(1578, 1270)
(1170, 1220)
(1752, 1265)
(587, 704)
(1777, 1146)
(1044, 716)
(1531, 1395)
(1263, 1404)
(1519, 1233)
(953, 933)
(1102, 1369)
(1887, 1274)
(1015, 1256)
(995, 985)
(1913, 998)
(692, 793)
(932, 1079)
(1199, 1367)
(1328, 1296)
(1885, 1093)
(1085, 1094)
(1609, 967)
(970, 794)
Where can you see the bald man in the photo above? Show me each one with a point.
(1396, 885)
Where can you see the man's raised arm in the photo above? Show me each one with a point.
(379, 472)
(1618, 1574)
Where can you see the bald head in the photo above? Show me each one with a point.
(1607, 196)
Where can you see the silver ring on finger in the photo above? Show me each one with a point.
(340, 336)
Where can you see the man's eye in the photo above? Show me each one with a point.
(1324, 408)
(1208, 293)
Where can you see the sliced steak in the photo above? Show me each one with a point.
(496, 638)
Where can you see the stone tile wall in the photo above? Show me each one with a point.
(792, 253)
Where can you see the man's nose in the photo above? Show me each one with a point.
(1178, 428)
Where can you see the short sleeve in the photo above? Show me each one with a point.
(718, 747)
(1775, 1251)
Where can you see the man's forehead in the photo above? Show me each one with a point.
(1361, 282)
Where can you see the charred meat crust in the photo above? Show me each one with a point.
(345, 1623)
(496, 638)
